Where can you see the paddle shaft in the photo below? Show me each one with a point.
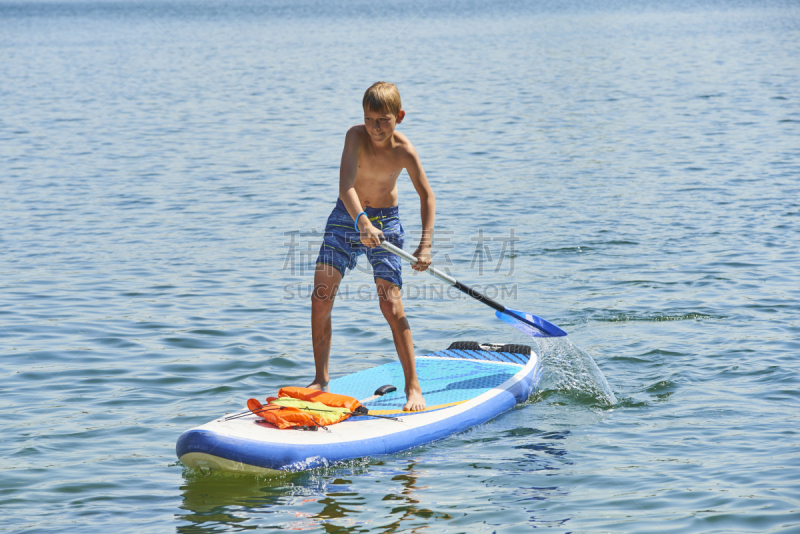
(477, 295)
(523, 321)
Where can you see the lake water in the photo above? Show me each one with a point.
(627, 170)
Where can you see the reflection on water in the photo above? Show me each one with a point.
(406, 502)
(343, 497)
(300, 501)
(218, 500)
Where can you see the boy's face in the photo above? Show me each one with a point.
(381, 124)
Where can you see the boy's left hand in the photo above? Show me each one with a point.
(423, 255)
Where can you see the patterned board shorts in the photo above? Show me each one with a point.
(342, 245)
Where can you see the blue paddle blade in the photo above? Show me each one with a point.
(530, 324)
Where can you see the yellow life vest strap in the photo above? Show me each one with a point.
(322, 414)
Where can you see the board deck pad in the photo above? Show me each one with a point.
(443, 384)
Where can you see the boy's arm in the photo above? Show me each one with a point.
(370, 236)
(427, 209)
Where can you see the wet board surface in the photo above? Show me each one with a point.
(462, 388)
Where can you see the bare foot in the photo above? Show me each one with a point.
(416, 403)
(319, 386)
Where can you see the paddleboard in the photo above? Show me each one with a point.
(465, 385)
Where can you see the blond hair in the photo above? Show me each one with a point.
(382, 97)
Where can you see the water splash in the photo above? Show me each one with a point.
(312, 462)
(567, 367)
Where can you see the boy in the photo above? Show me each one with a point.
(374, 155)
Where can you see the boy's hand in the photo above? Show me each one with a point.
(423, 255)
(370, 236)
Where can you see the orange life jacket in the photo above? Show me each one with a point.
(305, 412)
(282, 416)
(328, 399)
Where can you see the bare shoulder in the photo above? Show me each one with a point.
(357, 133)
(404, 149)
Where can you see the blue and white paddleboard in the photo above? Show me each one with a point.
(464, 386)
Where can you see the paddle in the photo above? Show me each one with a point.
(523, 321)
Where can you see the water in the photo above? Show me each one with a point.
(166, 166)
(571, 369)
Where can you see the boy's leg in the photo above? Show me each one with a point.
(391, 302)
(326, 283)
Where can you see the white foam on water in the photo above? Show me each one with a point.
(312, 462)
(567, 367)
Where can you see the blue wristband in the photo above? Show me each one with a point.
(364, 213)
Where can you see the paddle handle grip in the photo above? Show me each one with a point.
(446, 278)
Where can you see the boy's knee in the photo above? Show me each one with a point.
(321, 302)
(324, 291)
(390, 306)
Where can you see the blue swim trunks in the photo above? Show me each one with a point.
(342, 244)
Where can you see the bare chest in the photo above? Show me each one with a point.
(383, 168)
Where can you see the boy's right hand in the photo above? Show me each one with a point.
(370, 236)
